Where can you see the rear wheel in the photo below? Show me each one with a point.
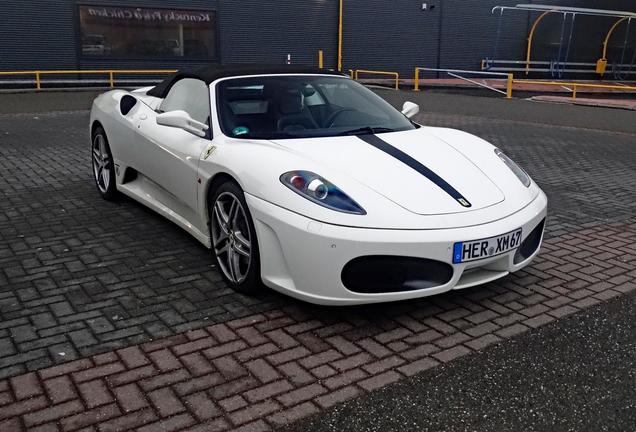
(234, 240)
(103, 166)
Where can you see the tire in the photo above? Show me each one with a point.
(236, 254)
(103, 165)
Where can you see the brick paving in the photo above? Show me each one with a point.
(271, 368)
(111, 318)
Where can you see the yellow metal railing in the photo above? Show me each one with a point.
(454, 73)
(601, 64)
(576, 86)
(357, 72)
(39, 74)
(531, 38)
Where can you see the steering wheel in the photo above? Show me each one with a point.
(332, 118)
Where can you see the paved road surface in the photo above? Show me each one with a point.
(113, 318)
(574, 375)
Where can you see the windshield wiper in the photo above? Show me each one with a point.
(266, 136)
(367, 130)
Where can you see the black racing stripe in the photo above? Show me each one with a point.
(387, 148)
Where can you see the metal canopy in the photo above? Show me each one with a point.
(560, 65)
(567, 10)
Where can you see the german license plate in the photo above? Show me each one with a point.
(479, 249)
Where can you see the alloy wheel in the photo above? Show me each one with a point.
(231, 237)
(101, 163)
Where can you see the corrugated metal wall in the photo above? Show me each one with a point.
(37, 34)
(379, 34)
(459, 33)
(265, 31)
(393, 35)
(469, 33)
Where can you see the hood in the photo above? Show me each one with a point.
(414, 169)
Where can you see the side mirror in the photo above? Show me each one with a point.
(182, 120)
(127, 103)
(410, 109)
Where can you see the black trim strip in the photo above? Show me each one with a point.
(387, 148)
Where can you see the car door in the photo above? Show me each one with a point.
(169, 156)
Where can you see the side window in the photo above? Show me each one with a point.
(190, 95)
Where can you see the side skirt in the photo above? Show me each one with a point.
(145, 194)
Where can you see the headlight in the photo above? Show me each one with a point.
(519, 172)
(320, 191)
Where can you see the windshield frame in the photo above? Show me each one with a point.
(215, 95)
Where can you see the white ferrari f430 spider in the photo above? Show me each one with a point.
(310, 183)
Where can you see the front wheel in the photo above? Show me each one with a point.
(103, 165)
(234, 240)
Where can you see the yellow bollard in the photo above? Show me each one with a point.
(416, 87)
(37, 80)
(574, 92)
(509, 86)
(321, 59)
(340, 33)
(111, 79)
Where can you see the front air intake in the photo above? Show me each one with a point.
(390, 274)
(530, 244)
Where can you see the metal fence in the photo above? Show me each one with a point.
(110, 77)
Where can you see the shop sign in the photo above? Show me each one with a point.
(148, 15)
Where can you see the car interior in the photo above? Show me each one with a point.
(283, 108)
(271, 107)
(294, 107)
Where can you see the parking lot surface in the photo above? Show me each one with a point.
(113, 318)
(576, 374)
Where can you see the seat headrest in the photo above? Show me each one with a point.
(308, 91)
(291, 102)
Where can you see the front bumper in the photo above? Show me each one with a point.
(305, 258)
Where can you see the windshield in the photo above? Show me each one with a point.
(288, 106)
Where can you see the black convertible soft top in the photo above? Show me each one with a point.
(212, 73)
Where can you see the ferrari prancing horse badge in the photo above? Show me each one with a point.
(211, 149)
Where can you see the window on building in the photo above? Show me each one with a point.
(147, 33)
